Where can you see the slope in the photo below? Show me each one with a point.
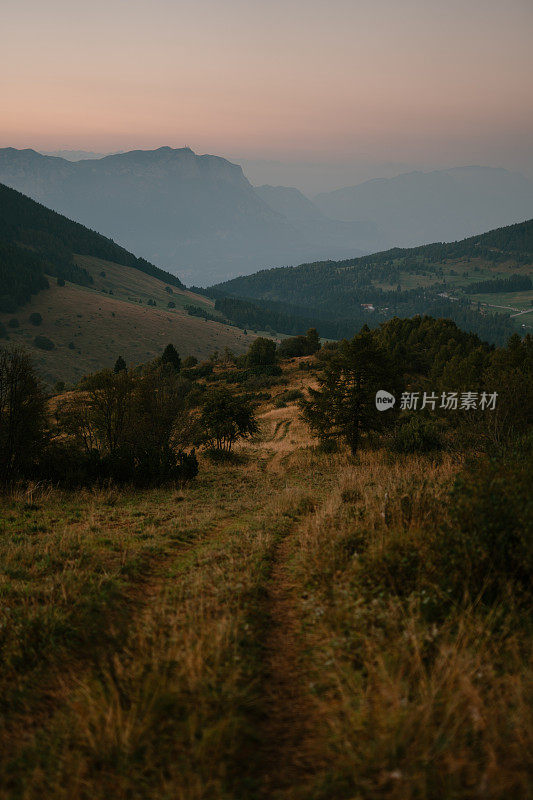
(88, 327)
(432, 279)
(35, 240)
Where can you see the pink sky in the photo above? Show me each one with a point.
(393, 80)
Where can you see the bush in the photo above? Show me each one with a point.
(171, 304)
(13, 322)
(416, 435)
(35, 318)
(490, 540)
(262, 352)
(60, 281)
(43, 343)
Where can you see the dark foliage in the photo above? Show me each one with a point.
(171, 357)
(344, 406)
(225, 418)
(43, 343)
(515, 283)
(22, 414)
(261, 353)
(35, 242)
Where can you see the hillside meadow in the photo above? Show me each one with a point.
(90, 326)
(293, 623)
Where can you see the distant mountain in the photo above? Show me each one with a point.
(74, 155)
(195, 215)
(422, 207)
(291, 203)
(431, 279)
(35, 242)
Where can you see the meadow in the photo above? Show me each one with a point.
(291, 624)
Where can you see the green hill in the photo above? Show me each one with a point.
(36, 242)
(441, 279)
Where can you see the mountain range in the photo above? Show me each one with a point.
(199, 217)
(443, 205)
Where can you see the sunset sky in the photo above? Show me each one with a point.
(407, 82)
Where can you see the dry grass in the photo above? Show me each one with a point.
(278, 629)
(101, 326)
(421, 702)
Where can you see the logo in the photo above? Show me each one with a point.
(384, 400)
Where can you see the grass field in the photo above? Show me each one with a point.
(90, 328)
(245, 638)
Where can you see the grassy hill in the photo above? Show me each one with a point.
(95, 299)
(90, 326)
(35, 242)
(431, 279)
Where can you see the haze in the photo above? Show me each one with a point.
(323, 93)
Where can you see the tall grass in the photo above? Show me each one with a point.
(426, 695)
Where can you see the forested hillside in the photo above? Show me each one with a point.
(440, 279)
(36, 242)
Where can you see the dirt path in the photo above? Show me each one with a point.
(290, 741)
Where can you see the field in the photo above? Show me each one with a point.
(245, 637)
(90, 327)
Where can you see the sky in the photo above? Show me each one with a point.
(334, 91)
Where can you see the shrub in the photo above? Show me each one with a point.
(416, 435)
(43, 343)
(171, 304)
(35, 318)
(226, 417)
(489, 542)
(262, 352)
(60, 281)
(13, 322)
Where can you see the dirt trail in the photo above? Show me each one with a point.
(290, 739)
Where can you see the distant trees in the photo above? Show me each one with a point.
(22, 414)
(514, 283)
(344, 406)
(224, 419)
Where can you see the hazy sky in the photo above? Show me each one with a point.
(368, 82)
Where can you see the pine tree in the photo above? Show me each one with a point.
(120, 365)
(170, 356)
